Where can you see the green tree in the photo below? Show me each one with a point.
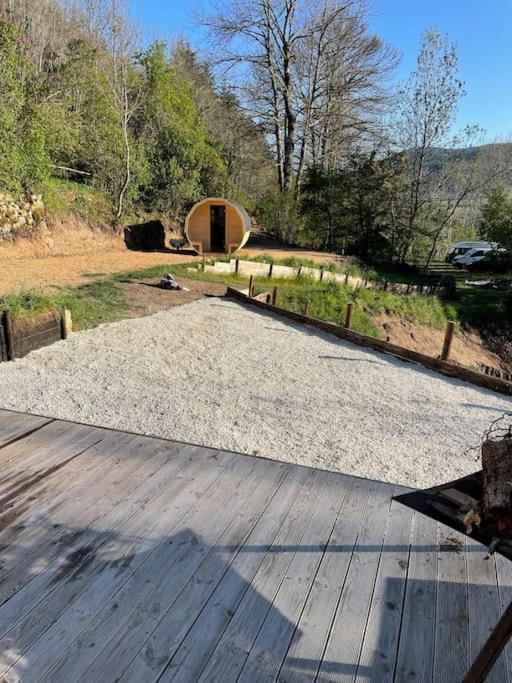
(278, 212)
(350, 207)
(322, 207)
(183, 163)
(23, 158)
(83, 128)
(496, 221)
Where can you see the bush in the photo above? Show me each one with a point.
(23, 159)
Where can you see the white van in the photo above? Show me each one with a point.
(462, 248)
(476, 256)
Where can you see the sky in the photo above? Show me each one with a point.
(481, 30)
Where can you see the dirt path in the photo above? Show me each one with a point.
(57, 271)
(146, 297)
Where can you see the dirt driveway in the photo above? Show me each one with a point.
(58, 271)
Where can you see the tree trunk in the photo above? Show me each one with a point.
(126, 138)
(497, 478)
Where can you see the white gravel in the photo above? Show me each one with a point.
(218, 374)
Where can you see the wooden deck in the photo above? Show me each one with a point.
(136, 559)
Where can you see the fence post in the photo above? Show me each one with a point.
(274, 296)
(204, 263)
(63, 328)
(299, 270)
(9, 342)
(321, 274)
(306, 306)
(448, 338)
(237, 265)
(66, 323)
(271, 268)
(250, 286)
(348, 316)
(346, 279)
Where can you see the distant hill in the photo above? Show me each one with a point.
(439, 156)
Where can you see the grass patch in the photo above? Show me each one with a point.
(329, 302)
(65, 196)
(474, 305)
(95, 303)
(27, 304)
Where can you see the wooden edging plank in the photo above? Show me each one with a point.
(447, 368)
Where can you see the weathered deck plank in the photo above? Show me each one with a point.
(484, 606)
(343, 650)
(62, 582)
(139, 559)
(378, 656)
(416, 646)
(305, 652)
(231, 653)
(451, 652)
(14, 426)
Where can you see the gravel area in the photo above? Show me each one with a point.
(218, 374)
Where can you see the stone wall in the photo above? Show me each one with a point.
(19, 216)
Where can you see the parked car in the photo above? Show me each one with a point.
(462, 248)
(496, 261)
(471, 256)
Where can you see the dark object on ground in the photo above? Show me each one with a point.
(179, 243)
(485, 284)
(148, 236)
(168, 281)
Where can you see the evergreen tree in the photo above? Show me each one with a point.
(496, 221)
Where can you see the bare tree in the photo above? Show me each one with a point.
(436, 181)
(342, 71)
(308, 69)
(121, 39)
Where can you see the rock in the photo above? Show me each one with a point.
(38, 209)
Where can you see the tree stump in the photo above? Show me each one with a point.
(497, 484)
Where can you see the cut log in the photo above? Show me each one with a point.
(464, 501)
(497, 484)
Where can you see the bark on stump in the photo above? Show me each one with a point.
(497, 480)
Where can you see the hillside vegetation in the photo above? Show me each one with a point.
(263, 118)
(140, 129)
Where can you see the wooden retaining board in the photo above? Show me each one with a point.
(3, 344)
(30, 336)
(131, 558)
(41, 333)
